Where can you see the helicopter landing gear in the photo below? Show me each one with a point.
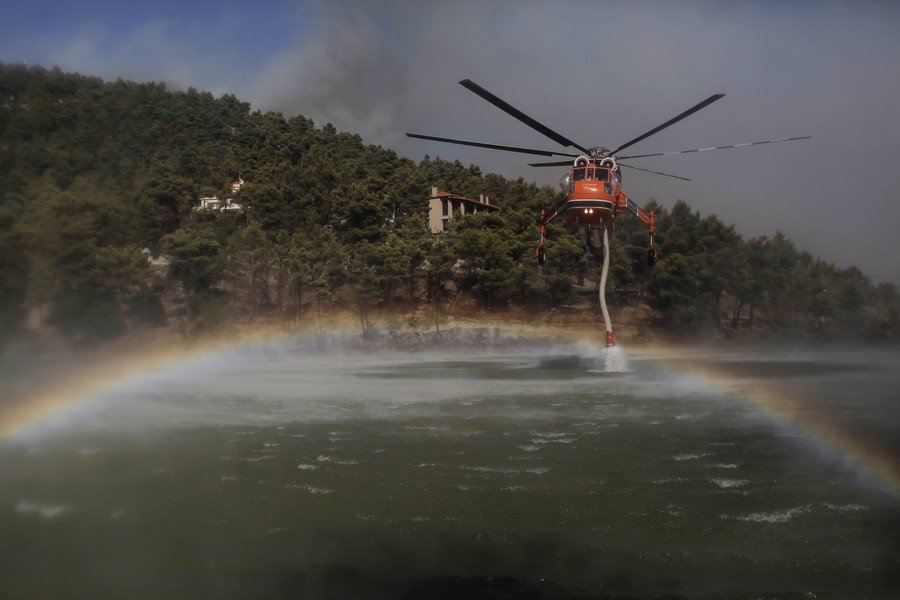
(585, 233)
(593, 245)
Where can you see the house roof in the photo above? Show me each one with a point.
(450, 196)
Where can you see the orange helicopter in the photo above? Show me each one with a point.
(593, 182)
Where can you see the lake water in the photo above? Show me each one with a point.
(526, 472)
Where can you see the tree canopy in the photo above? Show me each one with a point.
(99, 230)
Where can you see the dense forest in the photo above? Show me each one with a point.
(100, 232)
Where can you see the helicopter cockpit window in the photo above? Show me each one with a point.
(616, 183)
(578, 174)
(602, 174)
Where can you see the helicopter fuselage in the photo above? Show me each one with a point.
(593, 193)
(594, 197)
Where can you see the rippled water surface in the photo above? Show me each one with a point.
(526, 473)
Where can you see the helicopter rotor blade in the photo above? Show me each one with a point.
(671, 121)
(558, 163)
(518, 114)
(791, 139)
(654, 172)
(491, 146)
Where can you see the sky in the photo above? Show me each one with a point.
(598, 72)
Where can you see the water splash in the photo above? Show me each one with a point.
(614, 360)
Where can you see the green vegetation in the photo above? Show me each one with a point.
(96, 172)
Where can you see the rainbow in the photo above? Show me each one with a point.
(822, 431)
(101, 376)
(90, 379)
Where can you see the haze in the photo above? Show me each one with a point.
(600, 73)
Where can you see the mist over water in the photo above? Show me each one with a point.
(538, 472)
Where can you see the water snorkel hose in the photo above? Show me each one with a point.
(610, 336)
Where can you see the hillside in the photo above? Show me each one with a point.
(100, 234)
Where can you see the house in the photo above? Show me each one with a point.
(210, 203)
(216, 204)
(445, 207)
(229, 204)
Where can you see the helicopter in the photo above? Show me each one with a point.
(593, 182)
